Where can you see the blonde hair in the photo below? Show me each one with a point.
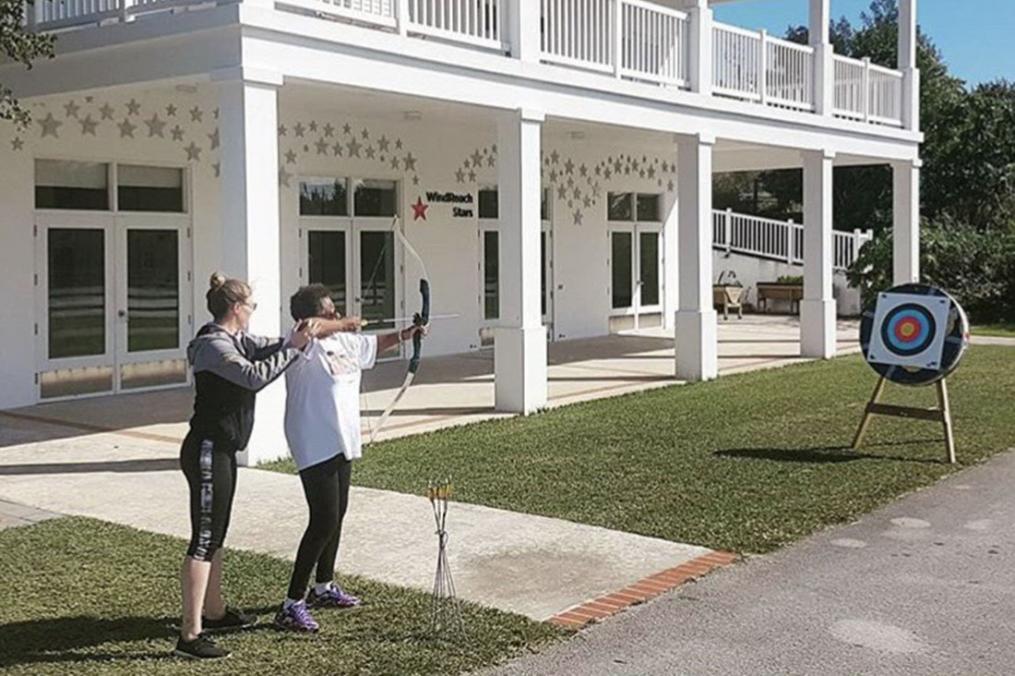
(223, 293)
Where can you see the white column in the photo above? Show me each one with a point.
(671, 283)
(817, 310)
(520, 342)
(249, 216)
(523, 20)
(908, 66)
(906, 222)
(824, 61)
(700, 38)
(697, 326)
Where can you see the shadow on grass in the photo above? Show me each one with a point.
(68, 639)
(827, 454)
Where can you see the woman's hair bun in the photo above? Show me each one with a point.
(217, 280)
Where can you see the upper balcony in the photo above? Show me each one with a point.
(635, 40)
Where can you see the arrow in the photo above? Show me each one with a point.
(395, 320)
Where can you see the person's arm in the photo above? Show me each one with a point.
(221, 356)
(390, 340)
(318, 327)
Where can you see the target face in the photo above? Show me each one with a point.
(914, 335)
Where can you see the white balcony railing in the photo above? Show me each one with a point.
(864, 91)
(778, 240)
(754, 66)
(636, 40)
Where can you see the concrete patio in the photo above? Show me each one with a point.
(458, 389)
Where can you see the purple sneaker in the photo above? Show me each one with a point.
(296, 618)
(334, 597)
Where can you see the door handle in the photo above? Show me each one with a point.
(121, 314)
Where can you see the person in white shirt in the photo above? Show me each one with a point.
(322, 426)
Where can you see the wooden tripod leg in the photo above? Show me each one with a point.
(867, 413)
(946, 418)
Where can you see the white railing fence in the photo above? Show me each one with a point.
(478, 22)
(864, 91)
(754, 66)
(779, 240)
(632, 39)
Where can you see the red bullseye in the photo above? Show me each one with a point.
(907, 330)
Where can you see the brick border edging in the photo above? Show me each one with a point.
(641, 591)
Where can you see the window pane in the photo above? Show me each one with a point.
(491, 275)
(649, 249)
(375, 198)
(153, 290)
(542, 273)
(323, 197)
(648, 208)
(619, 206)
(327, 264)
(71, 185)
(77, 292)
(377, 276)
(620, 257)
(488, 203)
(149, 188)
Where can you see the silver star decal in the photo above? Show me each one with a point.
(569, 167)
(669, 186)
(290, 157)
(313, 126)
(553, 176)
(472, 177)
(193, 152)
(50, 126)
(353, 147)
(587, 202)
(337, 149)
(329, 131)
(133, 107)
(71, 109)
(107, 111)
(477, 159)
(410, 162)
(617, 166)
(215, 113)
(415, 180)
(370, 152)
(299, 129)
(126, 129)
(554, 157)
(322, 147)
(651, 172)
(214, 138)
(177, 133)
(196, 114)
(561, 192)
(491, 161)
(607, 174)
(398, 144)
(577, 217)
(217, 167)
(170, 110)
(347, 129)
(383, 143)
(641, 173)
(17, 144)
(88, 125)
(155, 126)
(365, 134)
(583, 171)
(394, 163)
(282, 131)
(284, 176)
(460, 176)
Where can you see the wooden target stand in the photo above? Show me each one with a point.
(942, 414)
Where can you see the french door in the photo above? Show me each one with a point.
(636, 265)
(489, 276)
(113, 302)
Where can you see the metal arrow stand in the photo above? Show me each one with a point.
(942, 414)
(445, 609)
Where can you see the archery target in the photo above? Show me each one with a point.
(915, 334)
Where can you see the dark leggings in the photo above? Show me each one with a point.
(210, 469)
(326, 486)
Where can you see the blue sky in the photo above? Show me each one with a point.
(975, 36)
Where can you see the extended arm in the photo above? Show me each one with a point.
(221, 356)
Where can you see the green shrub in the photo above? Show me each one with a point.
(974, 265)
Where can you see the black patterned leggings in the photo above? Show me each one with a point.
(210, 469)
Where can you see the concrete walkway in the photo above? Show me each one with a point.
(924, 586)
(459, 389)
(531, 565)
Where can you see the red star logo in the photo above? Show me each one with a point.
(419, 209)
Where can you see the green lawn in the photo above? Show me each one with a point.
(1003, 330)
(746, 463)
(86, 597)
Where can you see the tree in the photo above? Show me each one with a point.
(22, 47)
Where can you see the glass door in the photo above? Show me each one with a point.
(635, 260)
(153, 316)
(74, 297)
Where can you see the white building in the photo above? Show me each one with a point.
(276, 140)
